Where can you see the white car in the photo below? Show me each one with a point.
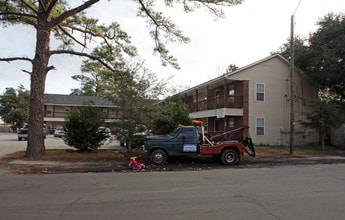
(106, 131)
(59, 131)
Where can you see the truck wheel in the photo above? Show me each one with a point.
(158, 157)
(229, 157)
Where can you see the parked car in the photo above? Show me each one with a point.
(138, 137)
(59, 131)
(105, 130)
(23, 132)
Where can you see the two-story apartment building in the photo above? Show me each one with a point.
(57, 106)
(257, 95)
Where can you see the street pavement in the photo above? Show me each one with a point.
(289, 192)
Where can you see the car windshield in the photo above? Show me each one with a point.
(104, 129)
(140, 128)
(26, 126)
(174, 132)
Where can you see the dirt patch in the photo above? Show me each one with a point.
(70, 161)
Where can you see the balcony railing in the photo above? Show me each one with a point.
(50, 114)
(215, 103)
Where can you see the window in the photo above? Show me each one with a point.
(216, 125)
(231, 94)
(49, 111)
(105, 111)
(231, 123)
(231, 126)
(187, 134)
(204, 103)
(217, 95)
(260, 126)
(260, 92)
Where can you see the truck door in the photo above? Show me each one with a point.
(187, 142)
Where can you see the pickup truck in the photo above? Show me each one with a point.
(137, 138)
(187, 140)
(23, 132)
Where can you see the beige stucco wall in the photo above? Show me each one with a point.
(275, 109)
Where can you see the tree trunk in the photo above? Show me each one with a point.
(323, 140)
(129, 145)
(35, 145)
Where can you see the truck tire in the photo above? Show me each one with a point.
(229, 157)
(158, 157)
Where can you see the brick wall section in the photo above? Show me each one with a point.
(245, 106)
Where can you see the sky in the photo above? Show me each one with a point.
(250, 32)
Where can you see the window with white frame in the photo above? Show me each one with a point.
(260, 126)
(260, 92)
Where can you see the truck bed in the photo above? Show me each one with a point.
(217, 149)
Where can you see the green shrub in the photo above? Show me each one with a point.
(82, 128)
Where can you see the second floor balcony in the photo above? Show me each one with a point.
(216, 103)
(63, 114)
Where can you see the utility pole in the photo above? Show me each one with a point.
(292, 97)
(292, 114)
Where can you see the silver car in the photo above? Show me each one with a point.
(59, 131)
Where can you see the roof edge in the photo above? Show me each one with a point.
(226, 75)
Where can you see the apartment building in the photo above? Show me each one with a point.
(57, 106)
(257, 95)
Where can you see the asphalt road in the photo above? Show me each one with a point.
(292, 192)
(288, 192)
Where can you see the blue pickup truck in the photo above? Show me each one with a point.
(23, 132)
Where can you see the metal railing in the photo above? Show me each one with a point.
(63, 114)
(215, 103)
